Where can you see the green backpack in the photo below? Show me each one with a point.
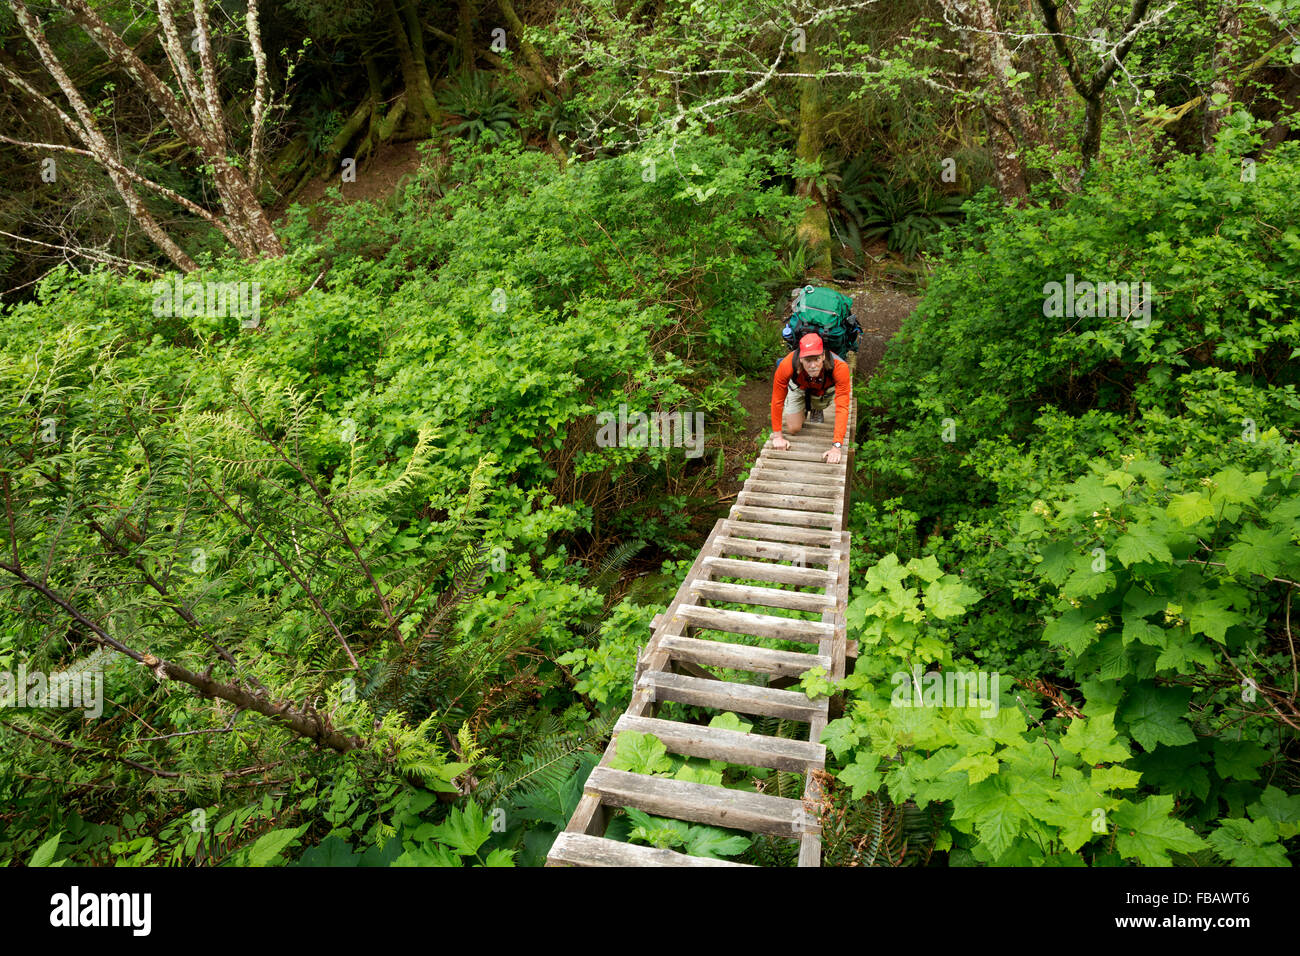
(825, 312)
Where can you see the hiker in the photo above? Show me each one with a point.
(810, 385)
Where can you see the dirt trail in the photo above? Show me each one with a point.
(376, 179)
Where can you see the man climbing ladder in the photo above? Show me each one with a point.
(807, 376)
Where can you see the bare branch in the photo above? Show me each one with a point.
(303, 723)
(142, 180)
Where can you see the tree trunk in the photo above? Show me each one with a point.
(421, 109)
(1091, 88)
(1091, 142)
(375, 89)
(540, 78)
(425, 86)
(815, 227)
(1227, 34)
(1008, 169)
(465, 35)
(260, 87)
(1012, 127)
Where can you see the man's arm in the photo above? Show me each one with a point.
(843, 392)
(780, 385)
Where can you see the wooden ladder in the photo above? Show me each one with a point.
(791, 509)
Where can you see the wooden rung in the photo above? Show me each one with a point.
(788, 500)
(762, 597)
(780, 532)
(756, 625)
(765, 470)
(773, 551)
(579, 849)
(730, 746)
(779, 573)
(816, 436)
(726, 695)
(742, 657)
(799, 454)
(758, 486)
(810, 446)
(800, 461)
(805, 441)
(787, 516)
(701, 803)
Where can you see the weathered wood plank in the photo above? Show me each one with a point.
(807, 443)
(783, 490)
(799, 519)
(731, 746)
(779, 532)
(760, 486)
(654, 658)
(797, 454)
(742, 657)
(578, 849)
(697, 802)
(764, 471)
(757, 625)
(590, 817)
(821, 469)
(762, 597)
(805, 462)
(810, 850)
(779, 573)
(788, 501)
(838, 618)
(800, 554)
(741, 698)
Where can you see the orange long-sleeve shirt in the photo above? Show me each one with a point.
(781, 385)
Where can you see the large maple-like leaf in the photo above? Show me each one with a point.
(1147, 832)
(1094, 739)
(1142, 542)
(1258, 551)
(1158, 715)
(1189, 508)
(1249, 843)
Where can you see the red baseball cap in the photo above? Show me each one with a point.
(810, 344)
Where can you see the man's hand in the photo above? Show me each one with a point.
(832, 457)
(779, 442)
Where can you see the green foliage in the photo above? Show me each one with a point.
(605, 671)
(485, 110)
(903, 212)
(1124, 499)
(690, 838)
(321, 126)
(363, 474)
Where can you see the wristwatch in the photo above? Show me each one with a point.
(837, 444)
